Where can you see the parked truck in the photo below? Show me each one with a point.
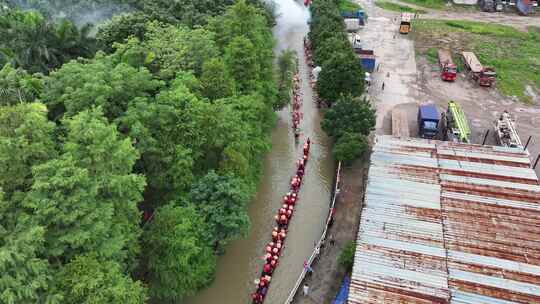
(428, 121)
(484, 76)
(506, 132)
(448, 68)
(405, 23)
(367, 59)
(358, 15)
(454, 124)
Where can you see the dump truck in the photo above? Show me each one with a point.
(400, 123)
(454, 124)
(506, 132)
(484, 76)
(428, 121)
(448, 68)
(366, 58)
(405, 23)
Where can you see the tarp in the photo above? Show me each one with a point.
(429, 112)
(343, 294)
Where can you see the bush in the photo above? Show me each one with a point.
(346, 258)
(349, 147)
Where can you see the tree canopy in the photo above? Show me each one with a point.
(127, 171)
(349, 121)
(341, 72)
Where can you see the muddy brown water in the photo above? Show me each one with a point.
(242, 262)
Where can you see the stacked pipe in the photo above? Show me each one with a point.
(309, 61)
(297, 103)
(274, 248)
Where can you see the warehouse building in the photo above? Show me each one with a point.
(447, 222)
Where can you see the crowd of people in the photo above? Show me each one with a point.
(283, 217)
(296, 104)
(311, 65)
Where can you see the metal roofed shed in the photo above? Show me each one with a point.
(447, 222)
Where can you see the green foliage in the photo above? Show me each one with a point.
(391, 6)
(287, 67)
(432, 55)
(89, 280)
(350, 115)
(26, 140)
(24, 274)
(513, 54)
(215, 80)
(350, 146)
(242, 64)
(349, 121)
(178, 48)
(340, 75)
(120, 28)
(180, 260)
(341, 70)
(433, 4)
(17, 86)
(30, 41)
(173, 120)
(348, 6)
(79, 86)
(346, 257)
(109, 160)
(222, 203)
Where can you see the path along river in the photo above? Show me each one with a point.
(242, 261)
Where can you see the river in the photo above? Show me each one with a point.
(242, 262)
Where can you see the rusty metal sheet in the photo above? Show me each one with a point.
(448, 223)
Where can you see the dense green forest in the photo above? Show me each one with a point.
(166, 112)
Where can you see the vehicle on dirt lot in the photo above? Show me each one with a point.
(367, 59)
(448, 68)
(454, 124)
(405, 23)
(484, 76)
(506, 132)
(428, 121)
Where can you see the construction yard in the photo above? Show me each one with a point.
(407, 65)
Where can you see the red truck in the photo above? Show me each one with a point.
(448, 68)
(484, 76)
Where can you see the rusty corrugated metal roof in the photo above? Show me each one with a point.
(448, 223)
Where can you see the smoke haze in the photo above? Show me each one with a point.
(292, 15)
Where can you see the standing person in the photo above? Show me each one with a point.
(383, 86)
(332, 241)
(305, 290)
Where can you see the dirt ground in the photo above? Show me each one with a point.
(327, 273)
(510, 18)
(410, 80)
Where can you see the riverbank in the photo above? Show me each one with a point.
(327, 273)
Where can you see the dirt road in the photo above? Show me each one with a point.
(396, 64)
(510, 18)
